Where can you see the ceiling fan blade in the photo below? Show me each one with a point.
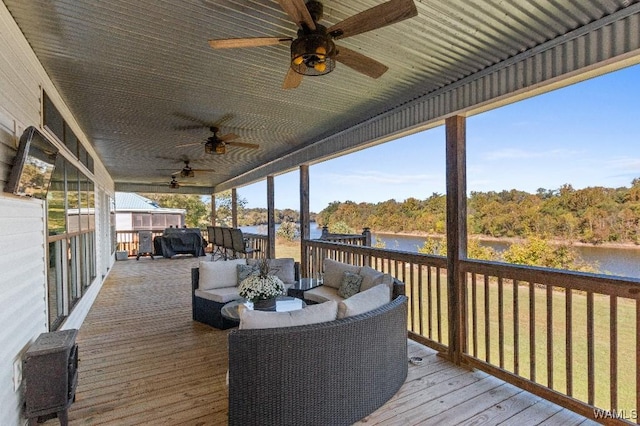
(298, 12)
(292, 79)
(231, 43)
(189, 127)
(188, 144)
(205, 171)
(189, 118)
(244, 144)
(361, 63)
(377, 17)
(228, 137)
(222, 120)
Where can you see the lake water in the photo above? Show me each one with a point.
(621, 261)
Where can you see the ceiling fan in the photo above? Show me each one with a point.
(174, 183)
(313, 51)
(187, 171)
(218, 144)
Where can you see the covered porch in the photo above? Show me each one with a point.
(144, 361)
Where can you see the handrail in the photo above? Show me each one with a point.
(424, 277)
(129, 241)
(577, 324)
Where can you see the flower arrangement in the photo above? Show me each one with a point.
(261, 285)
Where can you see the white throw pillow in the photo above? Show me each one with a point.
(334, 271)
(219, 274)
(370, 278)
(364, 301)
(312, 314)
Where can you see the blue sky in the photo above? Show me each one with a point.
(587, 134)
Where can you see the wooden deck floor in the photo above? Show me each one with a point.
(144, 361)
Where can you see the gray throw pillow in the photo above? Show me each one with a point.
(350, 284)
(244, 271)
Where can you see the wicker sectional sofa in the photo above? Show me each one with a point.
(207, 300)
(329, 373)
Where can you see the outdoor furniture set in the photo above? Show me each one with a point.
(215, 284)
(228, 242)
(335, 361)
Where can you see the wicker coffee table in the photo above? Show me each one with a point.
(283, 304)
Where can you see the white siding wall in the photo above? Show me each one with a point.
(22, 292)
(124, 221)
(23, 307)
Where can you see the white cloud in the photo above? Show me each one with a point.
(625, 163)
(515, 153)
(376, 177)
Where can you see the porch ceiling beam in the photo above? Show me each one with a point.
(162, 189)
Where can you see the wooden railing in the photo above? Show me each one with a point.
(130, 242)
(257, 242)
(425, 279)
(363, 239)
(571, 338)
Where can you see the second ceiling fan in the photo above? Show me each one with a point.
(218, 144)
(313, 51)
(214, 144)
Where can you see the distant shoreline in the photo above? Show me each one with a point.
(510, 240)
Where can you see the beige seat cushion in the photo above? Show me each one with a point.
(220, 295)
(364, 301)
(334, 271)
(323, 312)
(219, 274)
(322, 294)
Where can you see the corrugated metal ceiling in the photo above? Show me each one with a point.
(131, 71)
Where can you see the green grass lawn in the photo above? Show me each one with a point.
(286, 248)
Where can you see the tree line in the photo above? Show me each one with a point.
(198, 210)
(591, 215)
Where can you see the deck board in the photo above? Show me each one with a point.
(143, 361)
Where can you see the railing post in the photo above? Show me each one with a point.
(325, 233)
(366, 233)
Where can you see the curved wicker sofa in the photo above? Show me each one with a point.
(332, 373)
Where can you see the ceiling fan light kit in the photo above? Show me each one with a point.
(313, 52)
(215, 147)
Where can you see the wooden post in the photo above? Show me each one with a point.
(271, 219)
(234, 208)
(456, 233)
(305, 231)
(213, 209)
(366, 233)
